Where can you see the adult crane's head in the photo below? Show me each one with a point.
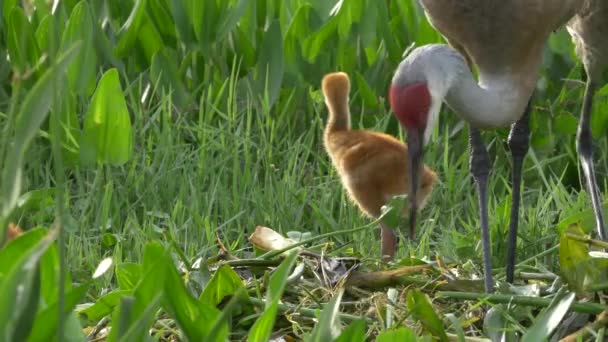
(415, 94)
(411, 104)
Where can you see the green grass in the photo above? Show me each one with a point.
(217, 173)
(192, 178)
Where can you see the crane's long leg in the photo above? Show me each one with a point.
(519, 141)
(584, 145)
(388, 242)
(480, 169)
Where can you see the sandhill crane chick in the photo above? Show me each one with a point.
(373, 166)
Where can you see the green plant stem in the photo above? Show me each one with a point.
(313, 313)
(598, 287)
(223, 317)
(5, 140)
(251, 263)
(590, 241)
(274, 253)
(60, 211)
(500, 272)
(535, 276)
(590, 308)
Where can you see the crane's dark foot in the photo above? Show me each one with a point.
(388, 242)
(519, 142)
(584, 146)
(480, 169)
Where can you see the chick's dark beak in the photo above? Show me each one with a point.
(415, 137)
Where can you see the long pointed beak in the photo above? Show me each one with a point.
(415, 144)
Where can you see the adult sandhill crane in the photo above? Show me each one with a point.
(504, 39)
(589, 31)
(373, 166)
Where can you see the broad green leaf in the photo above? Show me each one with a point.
(402, 334)
(270, 63)
(576, 266)
(496, 326)
(32, 113)
(154, 255)
(36, 200)
(135, 314)
(16, 284)
(149, 39)
(262, 328)
(296, 32)
(565, 123)
(122, 318)
(22, 47)
(313, 44)
(139, 329)
(328, 327)
(49, 275)
(231, 20)
(108, 240)
(130, 30)
(370, 33)
(387, 34)
(196, 319)
(599, 118)
(366, 93)
(160, 15)
(46, 321)
(73, 330)
(104, 305)
(347, 15)
(574, 260)
(14, 250)
(422, 310)
(244, 48)
(164, 73)
(279, 278)
(392, 212)
(205, 321)
(456, 325)
(46, 33)
(549, 319)
(25, 318)
(128, 275)
(219, 328)
(68, 129)
(181, 18)
(355, 332)
(346, 55)
(323, 8)
(585, 220)
(107, 127)
(80, 26)
(7, 7)
(225, 282)
(49, 263)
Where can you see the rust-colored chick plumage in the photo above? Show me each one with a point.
(12, 233)
(373, 166)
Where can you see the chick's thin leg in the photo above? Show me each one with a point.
(388, 242)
